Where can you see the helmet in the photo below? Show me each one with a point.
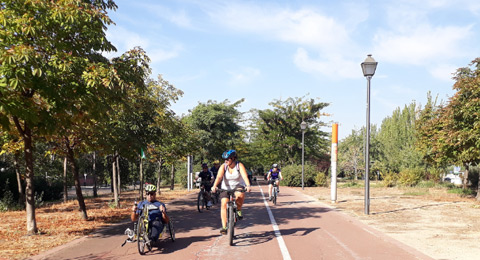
(150, 188)
(204, 165)
(274, 165)
(229, 154)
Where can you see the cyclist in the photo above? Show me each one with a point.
(157, 212)
(232, 175)
(207, 179)
(274, 175)
(215, 167)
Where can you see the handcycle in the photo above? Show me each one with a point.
(141, 231)
(232, 214)
(203, 195)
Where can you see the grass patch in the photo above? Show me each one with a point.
(462, 192)
(416, 193)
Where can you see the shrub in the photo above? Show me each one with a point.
(7, 202)
(48, 191)
(389, 179)
(321, 180)
(410, 177)
(292, 175)
(434, 174)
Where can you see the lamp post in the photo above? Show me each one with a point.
(368, 67)
(303, 126)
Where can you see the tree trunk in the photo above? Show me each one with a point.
(95, 194)
(119, 186)
(26, 133)
(172, 177)
(159, 176)
(78, 188)
(141, 180)
(114, 180)
(465, 176)
(21, 191)
(65, 186)
(478, 189)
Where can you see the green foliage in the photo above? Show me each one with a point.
(410, 177)
(434, 174)
(7, 201)
(48, 190)
(349, 184)
(321, 180)
(292, 175)
(389, 179)
(351, 155)
(462, 192)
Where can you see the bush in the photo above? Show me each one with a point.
(292, 175)
(8, 201)
(434, 174)
(473, 176)
(389, 179)
(321, 180)
(48, 191)
(410, 177)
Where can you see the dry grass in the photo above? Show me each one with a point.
(60, 223)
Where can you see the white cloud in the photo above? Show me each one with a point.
(333, 66)
(443, 72)
(243, 75)
(423, 45)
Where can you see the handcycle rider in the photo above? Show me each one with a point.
(274, 176)
(232, 175)
(207, 180)
(157, 212)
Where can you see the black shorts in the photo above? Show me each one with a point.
(224, 194)
(271, 181)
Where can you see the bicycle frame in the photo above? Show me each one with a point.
(232, 214)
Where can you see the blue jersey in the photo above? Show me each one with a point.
(153, 209)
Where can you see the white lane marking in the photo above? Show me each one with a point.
(281, 242)
(355, 256)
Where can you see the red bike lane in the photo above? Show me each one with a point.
(306, 230)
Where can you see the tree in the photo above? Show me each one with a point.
(350, 153)
(278, 134)
(43, 45)
(217, 125)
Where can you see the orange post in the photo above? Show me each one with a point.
(333, 162)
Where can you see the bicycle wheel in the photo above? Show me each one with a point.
(200, 202)
(171, 230)
(231, 224)
(141, 235)
(274, 195)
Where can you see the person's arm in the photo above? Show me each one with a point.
(244, 174)
(268, 175)
(221, 172)
(134, 215)
(165, 217)
(280, 175)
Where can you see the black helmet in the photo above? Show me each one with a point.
(274, 165)
(204, 165)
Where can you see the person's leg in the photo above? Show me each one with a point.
(223, 212)
(157, 229)
(278, 185)
(270, 186)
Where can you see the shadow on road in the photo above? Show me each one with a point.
(254, 238)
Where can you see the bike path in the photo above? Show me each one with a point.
(308, 229)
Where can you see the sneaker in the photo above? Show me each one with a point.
(270, 198)
(240, 215)
(209, 203)
(223, 230)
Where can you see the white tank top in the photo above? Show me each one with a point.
(232, 179)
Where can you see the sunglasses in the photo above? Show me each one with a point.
(151, 193)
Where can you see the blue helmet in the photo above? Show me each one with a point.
(229, 154)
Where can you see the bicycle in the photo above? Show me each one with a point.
(274, 193)
(232, 214)
(202, 199)
(141, 231)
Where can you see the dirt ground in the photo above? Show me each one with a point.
(439, 224)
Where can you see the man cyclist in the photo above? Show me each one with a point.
(214, 169)
(274, 176)
(207, 179)
(157, 212)
(231, 175)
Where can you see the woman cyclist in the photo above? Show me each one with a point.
(274, 175)
(232, 175)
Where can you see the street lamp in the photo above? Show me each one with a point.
(303, 126)
(368, 67)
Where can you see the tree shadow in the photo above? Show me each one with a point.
(255, 238)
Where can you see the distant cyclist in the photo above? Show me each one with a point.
(157, 212)
(207, 180)
(232, 175)
(274, 176)
(214, 169)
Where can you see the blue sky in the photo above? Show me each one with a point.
(266, 50)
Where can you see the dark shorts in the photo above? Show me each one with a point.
(271, 181)
(156, 228)
(224, 194)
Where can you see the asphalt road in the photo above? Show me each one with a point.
(298, 227)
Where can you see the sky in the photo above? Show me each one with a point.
(267, 50)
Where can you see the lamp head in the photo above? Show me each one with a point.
(369, 66)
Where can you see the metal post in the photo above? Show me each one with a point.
(367, 148)
(333, 191)
(303, 155)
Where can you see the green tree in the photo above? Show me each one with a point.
(217, 126)
(43, 45)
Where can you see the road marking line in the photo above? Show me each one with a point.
(353, 254)
(281, 242)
